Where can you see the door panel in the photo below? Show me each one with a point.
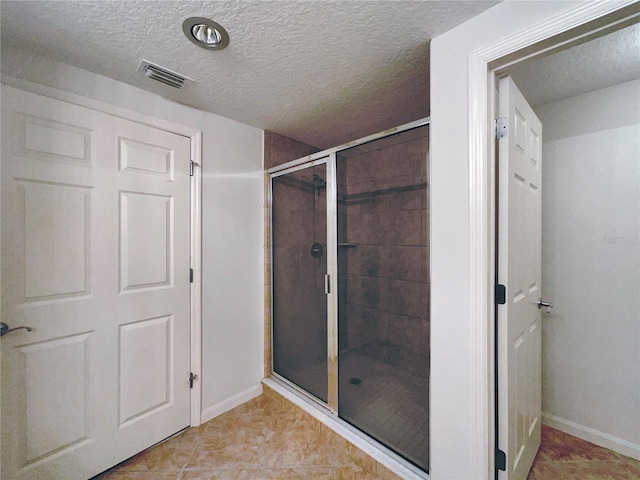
(299, 228)
(145, 373)
(57, 404)
(145, 248)
(47, 274)
(143, 158)
(95, 257)
(519, 269)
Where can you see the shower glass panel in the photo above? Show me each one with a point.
(299, 240)
(383, 285)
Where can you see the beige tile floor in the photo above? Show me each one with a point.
(266, 438)
(564, 457)
(269, 438)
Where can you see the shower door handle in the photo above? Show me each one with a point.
(327, 284)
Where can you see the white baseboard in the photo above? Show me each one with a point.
(219, 408)
(618, 445)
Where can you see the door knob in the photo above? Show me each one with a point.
(547, 305)
(4, 329)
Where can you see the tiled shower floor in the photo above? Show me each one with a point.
(388, 403)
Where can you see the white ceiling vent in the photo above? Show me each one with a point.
(161, 74)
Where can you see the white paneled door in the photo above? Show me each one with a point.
(519, 270)
(95, 258)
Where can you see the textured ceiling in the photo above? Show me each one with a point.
(322, 72)
(599, 63)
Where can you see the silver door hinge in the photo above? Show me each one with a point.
(192, 166)
(501, 127)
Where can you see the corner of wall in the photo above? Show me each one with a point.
(219, 408)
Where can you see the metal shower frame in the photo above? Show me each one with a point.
(328, 157)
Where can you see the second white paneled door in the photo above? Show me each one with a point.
(519, 270)
(95, 258)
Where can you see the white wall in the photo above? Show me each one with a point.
(591, 266)
(233, 289)
(455, 430)
(232, 222)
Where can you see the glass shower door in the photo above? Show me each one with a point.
(383, 284)
(299, 246)
(350, 298)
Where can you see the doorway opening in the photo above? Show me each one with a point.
(590, 229)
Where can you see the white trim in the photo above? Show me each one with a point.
(619, 445)
(196, 205)
(100, 106)
(373, 449)
(230, 403)
(481, 268)
(196, 285)
(482, 213)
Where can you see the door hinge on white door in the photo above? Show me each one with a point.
(501, 460)
(501, 127)
(191, 275)
(500, 294)
(192, 378)
(192, 166)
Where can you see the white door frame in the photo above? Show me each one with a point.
(196, 207)
(483, 63)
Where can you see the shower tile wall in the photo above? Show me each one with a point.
(300, 308)
(385, 212)
(277, 150)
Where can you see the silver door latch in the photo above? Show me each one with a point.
(547, 305)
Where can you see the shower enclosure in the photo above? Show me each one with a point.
(350, 311)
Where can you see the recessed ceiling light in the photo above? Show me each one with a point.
(205, 33)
